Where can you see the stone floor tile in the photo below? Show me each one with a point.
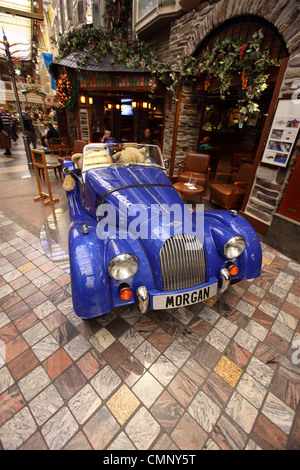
(177, 353)
(69, 382)
(142, 429)
(34, 334)
(105, 382)
(77, 347)
(256, 330)
(23, 364)
(163, 370)
(260, 371)
(59, 429)
(121, 443)
(204, 411)
(245, 308)
(35, 442)
(195, 371)
(282, 330)
(217, 339)
(17, 430)
(115, 354)
(14, 348)
(11, 401)
(167, 411)
(246, 340)
(217, 389)
(147, 389)
(241, 411)
(6, 379)
(90, 364)
(229, 371)
(131, 339)
(45, 404)
(131, 370)
(228, 435)
(84, 403)
(123, 404)
(45, 348)
(78, 442)
(117, 327)
(146, 354)
(57, 363)
(188, 435)
(34, 382)
(267, 435)
(159, 339)
(101, 429)
(44, 309)
(102, 340)
(183, 389)
(252, 390)
(278, 412)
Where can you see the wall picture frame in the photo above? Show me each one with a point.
(283, 133)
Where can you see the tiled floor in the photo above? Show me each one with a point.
(224, 374)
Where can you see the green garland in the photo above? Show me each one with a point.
(228, 58)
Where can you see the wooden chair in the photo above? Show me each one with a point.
(78, 148)
(40, 164)
(231, 195)
(196, 166)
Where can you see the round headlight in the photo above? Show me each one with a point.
(234, 247)
(122, 267)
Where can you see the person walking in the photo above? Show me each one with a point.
(4, 139)
(7, 122)
(29, 127)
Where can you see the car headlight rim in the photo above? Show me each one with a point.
(234, 247)
(123, 266)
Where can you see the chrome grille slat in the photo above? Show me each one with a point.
(182, 262)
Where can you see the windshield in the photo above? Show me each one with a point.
(101, 155)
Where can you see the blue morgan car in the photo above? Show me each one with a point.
(132, 240)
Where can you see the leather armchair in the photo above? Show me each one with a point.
(195, 166)
(231, 195)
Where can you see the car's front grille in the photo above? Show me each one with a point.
(182, 262)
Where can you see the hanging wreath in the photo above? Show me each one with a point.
(67, 92)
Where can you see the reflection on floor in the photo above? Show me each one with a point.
(54, 238)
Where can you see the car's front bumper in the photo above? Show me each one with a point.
(157, 300)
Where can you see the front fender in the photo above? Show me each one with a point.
(89, 279)
(250, 261)
(94, 292)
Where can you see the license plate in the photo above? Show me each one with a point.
(182, 299)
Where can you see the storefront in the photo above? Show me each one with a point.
(109, 98)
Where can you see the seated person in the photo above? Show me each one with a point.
(147, 139)
(204, 144)
(51, 134)
(107, 138)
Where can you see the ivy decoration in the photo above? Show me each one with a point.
(233, 56)
(67, 92)
(228, 57)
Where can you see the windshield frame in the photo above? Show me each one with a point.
(111, 149)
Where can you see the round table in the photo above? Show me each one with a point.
(187, 190)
